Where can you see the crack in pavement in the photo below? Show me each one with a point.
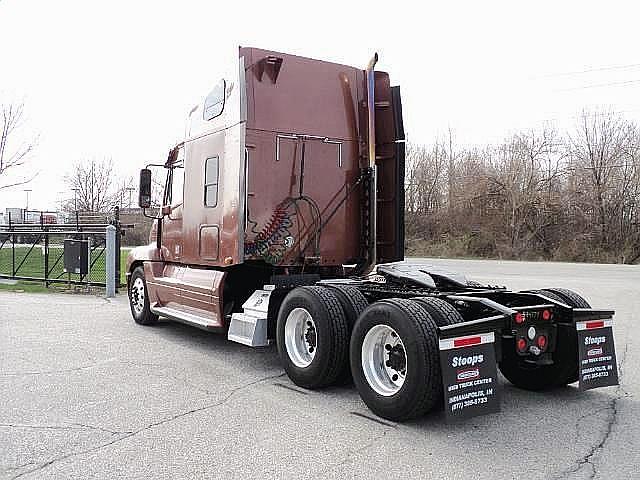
(587, 459)
(55, 372)
(352, 453)
(18, 467)
(160, 374)
(133, 433)
(612, 418)
(70, 426)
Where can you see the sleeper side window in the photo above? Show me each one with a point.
(211, 175)
(214, 103)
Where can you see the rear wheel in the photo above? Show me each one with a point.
(565, 358)
(570, 297)
(394, 359)
(352, 301)
(312, 336)
(442, 312)
(139, 299)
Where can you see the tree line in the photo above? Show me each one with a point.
(540, 194)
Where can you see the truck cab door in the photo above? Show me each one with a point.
(167, 278)
(172, 226)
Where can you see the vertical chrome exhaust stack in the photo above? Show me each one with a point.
(371, 105)
(373, 193)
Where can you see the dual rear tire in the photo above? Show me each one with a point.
(313, 336)
(390, 347)
(395, 359)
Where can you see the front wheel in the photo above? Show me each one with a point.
(139, 299)
(394, 359)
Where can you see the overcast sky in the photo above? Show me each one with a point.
(117, 78)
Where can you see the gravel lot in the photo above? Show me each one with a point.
(86, 393)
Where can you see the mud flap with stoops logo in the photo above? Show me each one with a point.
(597, 354)
(469, 375)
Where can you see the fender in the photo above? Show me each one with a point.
(143, 253)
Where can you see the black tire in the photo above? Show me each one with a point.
(422, 387)
(331, 347)
(565, 367)
(570, 297)
(141, 316)
(442, 312)
(353, 303)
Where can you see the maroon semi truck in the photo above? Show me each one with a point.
(282, 219)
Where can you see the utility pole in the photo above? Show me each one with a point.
(450, 180)
(130, 189)
(75, 198)
(27, 190)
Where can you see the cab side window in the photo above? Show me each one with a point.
(211, 182)
(177, 189)
(176, 193)
(214, 103)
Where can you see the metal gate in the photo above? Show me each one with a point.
(35, 251)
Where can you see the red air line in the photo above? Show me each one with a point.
(465, 342)
(597, 324)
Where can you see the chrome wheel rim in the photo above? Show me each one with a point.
(384, 360)
(300, 337)
(137, 295)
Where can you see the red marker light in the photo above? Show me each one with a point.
(596, 324)
(519, 318)
(542, 342)
(522, 344)
(546, 314)
(465, 342)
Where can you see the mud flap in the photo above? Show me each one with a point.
(596, 354)
(469, 375)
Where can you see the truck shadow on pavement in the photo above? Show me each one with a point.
(213, 345)
(567, 403)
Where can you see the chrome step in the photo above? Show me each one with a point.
(184, 317)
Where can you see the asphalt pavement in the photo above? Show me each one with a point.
(87, 393)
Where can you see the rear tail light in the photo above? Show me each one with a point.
(519, 318)
(542, 342)
(546, 314)
(521, 344)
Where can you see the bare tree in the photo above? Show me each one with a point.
(522, 171)
(96, 187)
(425, 178)
(539, 194)
(13, 151)
(602, 153)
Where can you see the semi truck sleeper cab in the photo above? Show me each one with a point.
(282, 219)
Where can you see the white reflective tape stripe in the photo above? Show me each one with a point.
(449, 343)
(583, 325)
